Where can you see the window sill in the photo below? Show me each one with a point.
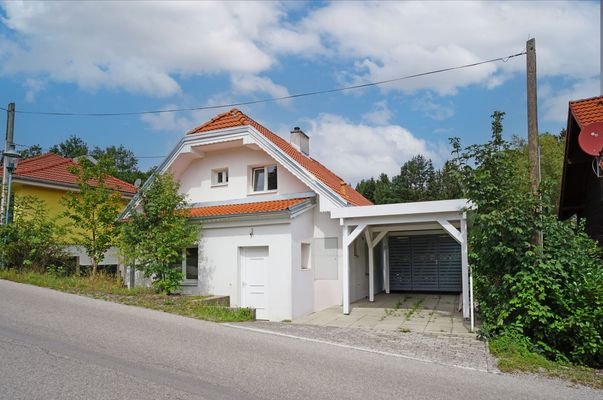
(190, 282)
(219, 184)
(262, 192)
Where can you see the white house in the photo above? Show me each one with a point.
(285, 235)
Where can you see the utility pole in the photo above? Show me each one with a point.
(8, 145)
(533, 124)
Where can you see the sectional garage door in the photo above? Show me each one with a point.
(428, 263)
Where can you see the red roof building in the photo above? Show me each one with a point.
(52, 169)
(581, 189)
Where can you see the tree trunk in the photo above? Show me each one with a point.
(94, 264)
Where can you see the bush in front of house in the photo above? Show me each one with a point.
(552, 296)
(154, 234)
(30, 242)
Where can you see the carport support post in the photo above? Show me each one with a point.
(371, 260)
(465, 268)
(346, 270)
(386, 263)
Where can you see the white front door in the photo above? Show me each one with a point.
(254, 266)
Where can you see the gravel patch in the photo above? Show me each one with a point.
(448, 349)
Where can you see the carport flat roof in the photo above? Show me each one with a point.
(399, 209)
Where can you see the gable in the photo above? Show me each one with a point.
(235, 118)
(197, 178)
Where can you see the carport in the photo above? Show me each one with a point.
(434, 232)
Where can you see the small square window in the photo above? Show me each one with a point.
(264, 178)
(219, 177)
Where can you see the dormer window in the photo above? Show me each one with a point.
(264, 179)
(219, 177)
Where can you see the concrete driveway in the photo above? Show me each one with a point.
(405, 312)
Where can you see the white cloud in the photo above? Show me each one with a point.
(385, 40)
(357, 151)
(555, 104)
(380, 115)
(432, 109)
(169, 122)
(140, 47)
(33, 86)
(148, 47)
(254, 84)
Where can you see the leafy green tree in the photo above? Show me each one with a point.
(32, 151)
(367, 188)
(156, 233)
(446, 184)
(552, 148)
(123, 161)
(72, 147)
(383, 191)
(416, 180)
(93, 209)
(31, 240)
(553, 295)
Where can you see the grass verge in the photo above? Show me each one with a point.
(514, 356)
(106, 288)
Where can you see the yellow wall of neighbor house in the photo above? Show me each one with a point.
(53, 199)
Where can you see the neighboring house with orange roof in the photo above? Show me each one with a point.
(284, 234)
(581, 189)
(47, 177)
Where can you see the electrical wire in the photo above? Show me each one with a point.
(250, 102)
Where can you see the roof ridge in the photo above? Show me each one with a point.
(587, 99)
(61, 160)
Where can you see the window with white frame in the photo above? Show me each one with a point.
(219, 177)
(305, 256)
(263, 178)
(189, 264)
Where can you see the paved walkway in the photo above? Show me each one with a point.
(403, 312)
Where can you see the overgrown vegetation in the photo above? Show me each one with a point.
(93, 209)
(154, 235)
(418, 181)
(551, 298)
(514, 354)
(31, 240)
(104, 287)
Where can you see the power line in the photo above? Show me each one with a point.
(293, 96)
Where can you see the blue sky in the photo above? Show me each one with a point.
(133, 56)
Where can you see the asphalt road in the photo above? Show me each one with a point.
(60, 346)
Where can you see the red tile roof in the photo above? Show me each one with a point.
(51, 168)
(235, 118)
(587, 111)
(247, 208)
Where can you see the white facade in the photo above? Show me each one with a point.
(298, 260)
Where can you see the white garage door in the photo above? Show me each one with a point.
(254, 270)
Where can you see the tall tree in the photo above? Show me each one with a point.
(383, 190)
(93, 209)
(415, 180)
(32, 151)
(72, 147)
(156, 234)
(367, 188)
(123, 162)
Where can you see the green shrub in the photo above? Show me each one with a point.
(552, 296)
(31, 240)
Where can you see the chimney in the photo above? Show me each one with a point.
(300, 140)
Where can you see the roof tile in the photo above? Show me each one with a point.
(234, 118)
(54, 169)
(246, 208)
(587, 111)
